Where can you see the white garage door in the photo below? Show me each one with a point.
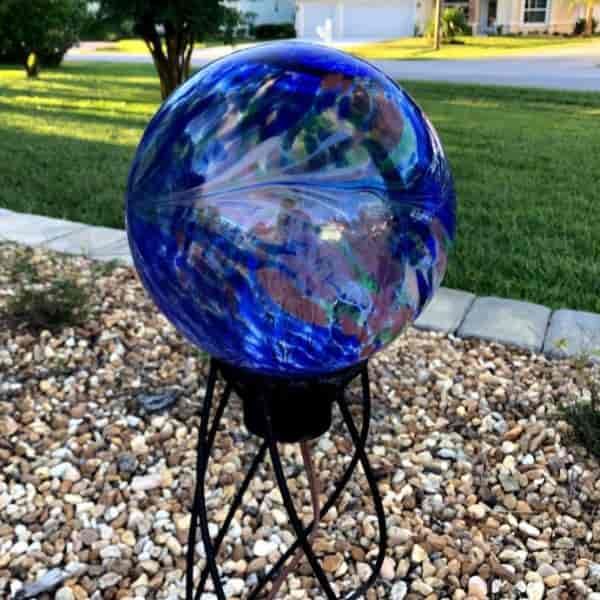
(366, 20)
(315, 15)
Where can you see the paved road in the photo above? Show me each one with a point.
(561, 70)
(568, 68)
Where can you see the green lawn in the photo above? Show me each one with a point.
(466, 47)
(525, 164)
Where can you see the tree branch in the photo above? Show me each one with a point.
(188, 56)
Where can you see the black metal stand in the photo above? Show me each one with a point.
(306, 414)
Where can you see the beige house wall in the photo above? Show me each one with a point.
(509, 15)
(561, 18)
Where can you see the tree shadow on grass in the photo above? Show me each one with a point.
(64, 177)
(79, 114)
(118, 73)
(76, 95)
(86, 75)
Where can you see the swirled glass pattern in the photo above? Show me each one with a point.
(290, 209)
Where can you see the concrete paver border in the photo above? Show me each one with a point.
(525, 325)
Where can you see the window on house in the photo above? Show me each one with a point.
(535, 11)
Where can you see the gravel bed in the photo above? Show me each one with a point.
(485, 497)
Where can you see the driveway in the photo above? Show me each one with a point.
(575, 68)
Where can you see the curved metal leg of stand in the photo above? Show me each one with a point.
(314, 485)
(205, 444)
(376, 567)
(199, 502)
(291, 510)
(235, 504)
(206, 441)
(339, 488)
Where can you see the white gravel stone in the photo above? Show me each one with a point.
(279, 516)
(108, 580)
(146, 483)
(528, 529)
(19, 548)
(398, 591)
(234, 587)
(64, 593)
(478, 588)
(263, 548)
(478, 511)
(363, 570)
(138, 445)
(594, 571)
(418, 554)
(535, 590)
(65, 471)
(109, 552)
(388, 569)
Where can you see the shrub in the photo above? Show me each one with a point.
(582, 414)
(231, 21)
(579, 28)
(274, 31)
(96, 28)
(454, 22)
(39, 32)
(38, 305)
(584, 419)
(61, 303)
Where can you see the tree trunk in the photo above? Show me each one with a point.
(168, 73)
(589, 19)
(437, 31)
(32, 64)
(172, 66)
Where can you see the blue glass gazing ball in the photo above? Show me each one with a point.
(290, 209)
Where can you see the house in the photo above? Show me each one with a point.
(357, 19)
(523, 16)
(266, 12)
(364, 19)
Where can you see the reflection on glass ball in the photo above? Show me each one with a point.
(290, 209)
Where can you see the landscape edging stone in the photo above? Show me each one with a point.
(525, 325)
